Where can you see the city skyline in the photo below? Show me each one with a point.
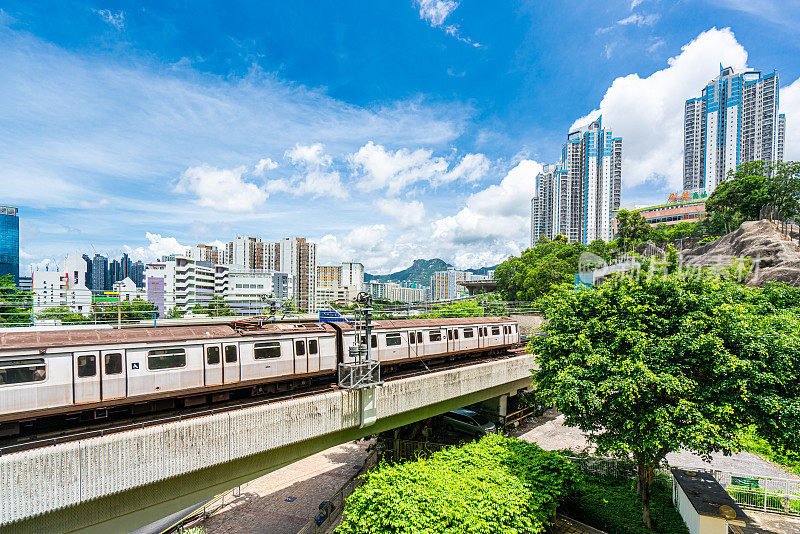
(156, 142)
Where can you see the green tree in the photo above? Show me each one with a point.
(652, 365)
(494, 485)
(632, 228)
(538, 269)
(64, 315)
(15, 305)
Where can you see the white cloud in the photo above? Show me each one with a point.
(640, 20)
(221, 189)
(264, 165)
(407, 214)
(435, 12)
(380, 168)
(316, 178)
(308, 155)
(790, 105)
(648, 112)
(114, 19)
(159, 246)
(635, 3)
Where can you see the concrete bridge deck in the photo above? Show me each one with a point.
(121, 482)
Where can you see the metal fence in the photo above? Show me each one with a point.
(785, 225)
(768, 494)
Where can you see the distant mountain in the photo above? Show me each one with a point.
(419, 272)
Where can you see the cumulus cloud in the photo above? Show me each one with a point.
(381, 168)
(159, 246)
(407, 214)
(790, 105)
(114, 19)
(221, 189)
(648, 112)
(316, 177)
(264, 165)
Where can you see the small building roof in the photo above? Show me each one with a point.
(706, 494)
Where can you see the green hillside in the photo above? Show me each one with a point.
(419, 272)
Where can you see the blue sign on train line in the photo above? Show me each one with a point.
(331, 316)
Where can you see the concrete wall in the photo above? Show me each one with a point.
(121, 482)
(529, 324)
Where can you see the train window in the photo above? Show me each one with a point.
(113, 363)
(374, 342)
(20, 371)
(419, 337)
(212, 355)
(467, 332)
(495, 330)
(435, 336)
(449, 334)
(312, 346)
(411, 338)
(166, 359)
(87, 366)
(270, 349)
(230, 354)
(300, 348)
(394, 339)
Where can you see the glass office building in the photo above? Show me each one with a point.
(9, 242)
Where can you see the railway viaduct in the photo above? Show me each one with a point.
(121, 482)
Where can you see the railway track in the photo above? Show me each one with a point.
(65, 435)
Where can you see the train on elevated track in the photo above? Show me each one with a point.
(85, 374)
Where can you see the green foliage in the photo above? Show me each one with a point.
(612, 505)
(650, 365)
(15, 305)
(457, 309)
(752, 442)
(174, 313)
(65, 315)
(495, 485)
(750, 187)
(538, 269)
(132, 311)
(632, 228)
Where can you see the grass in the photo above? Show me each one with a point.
(614, 506)
(752, 442)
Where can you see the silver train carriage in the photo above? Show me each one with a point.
(46, 373)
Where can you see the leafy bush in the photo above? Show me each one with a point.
(753, 442)
(708, 239)
(494, 485)
(614, 506)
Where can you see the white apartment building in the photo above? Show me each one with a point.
(579, 196)
(250, 291)
(180, 283)
(63, 287)
(735, 120)
(394, 292)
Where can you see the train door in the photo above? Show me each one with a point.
(87, 377)
(114, 384)
(213, 364)
(414, 351)
(300, 356)
(230, 363)
(312, 344)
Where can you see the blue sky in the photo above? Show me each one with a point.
(384, 131)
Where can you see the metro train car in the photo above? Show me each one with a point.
(89, 372)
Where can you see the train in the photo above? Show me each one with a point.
(84, 374)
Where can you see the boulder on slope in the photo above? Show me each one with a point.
(774, 257)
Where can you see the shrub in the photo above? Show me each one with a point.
(614, 506)
(497, 484)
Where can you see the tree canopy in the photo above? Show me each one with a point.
(650, 365)
(15, 304)
(494, 485)
(538, 269)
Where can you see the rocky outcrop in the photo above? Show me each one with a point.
(774, 257)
